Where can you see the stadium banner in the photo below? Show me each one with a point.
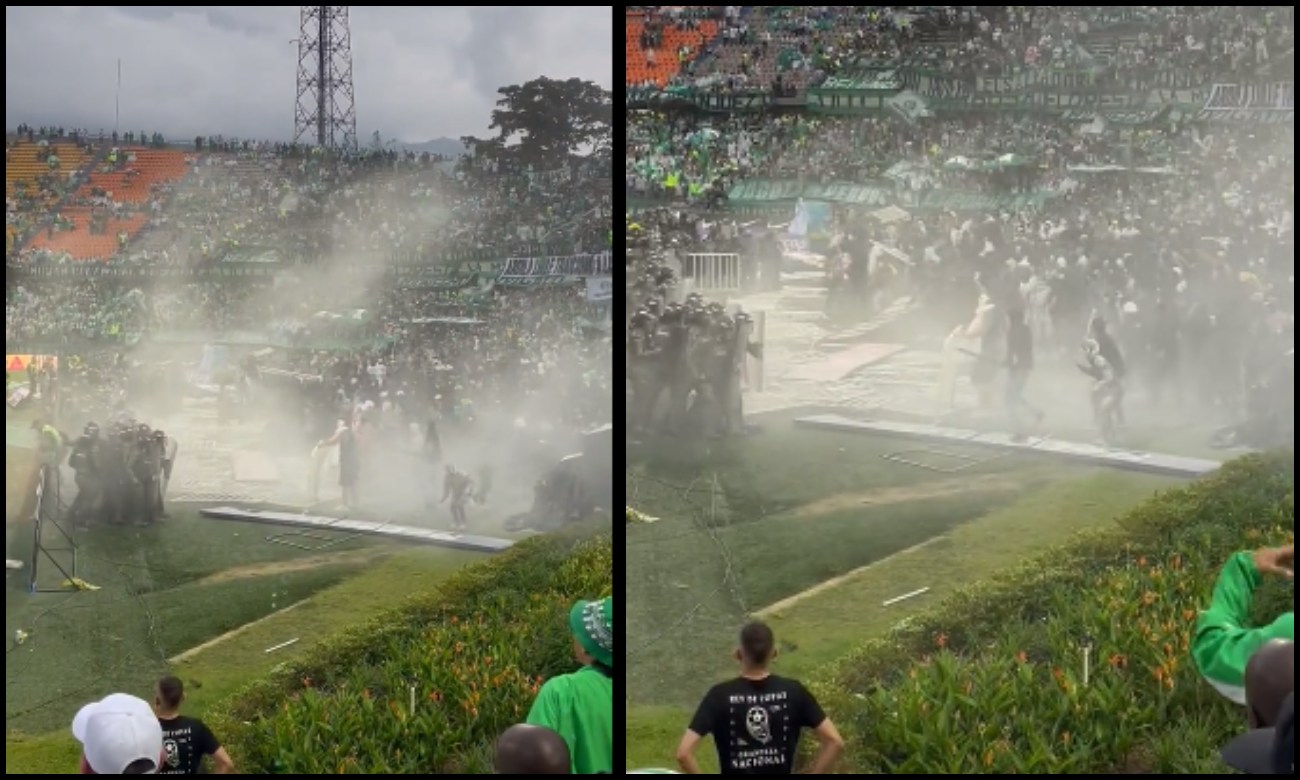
(1272, 103)
(701, 97)
(913, 92)
(769, 192)
(600, 289)
(571, 266)
(865, 79)
(15, 364)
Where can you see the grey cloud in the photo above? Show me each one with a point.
(420, 72)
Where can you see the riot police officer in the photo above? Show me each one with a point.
(84, 460)
(146, 465)
(167, 452)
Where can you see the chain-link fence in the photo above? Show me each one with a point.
(685, 595)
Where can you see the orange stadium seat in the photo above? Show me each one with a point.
(132, 182)
(23, 168)
(80, 243)
(639, 69)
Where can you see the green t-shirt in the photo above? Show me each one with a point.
(580, 708)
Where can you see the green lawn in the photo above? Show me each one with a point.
(789, 514)
(214, 673)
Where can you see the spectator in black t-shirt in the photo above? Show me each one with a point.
(756, 718)
(185, 740)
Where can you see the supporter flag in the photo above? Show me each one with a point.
(909, 105)
(799, 225)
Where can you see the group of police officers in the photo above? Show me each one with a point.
(120, 473)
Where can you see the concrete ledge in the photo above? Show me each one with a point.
(1149, 462)
(388, 530)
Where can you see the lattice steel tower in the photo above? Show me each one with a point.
(325, 111)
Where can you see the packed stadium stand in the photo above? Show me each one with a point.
(143, 168)
(29, 170)
(656, 47)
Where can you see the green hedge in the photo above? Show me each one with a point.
(991, 681)
(475, 651)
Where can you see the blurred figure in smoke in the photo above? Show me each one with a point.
(1109, 350)
(484, 484)
(1020, 362)
(432, 452)
(1106, 391)
(458, 487)
(349, 461)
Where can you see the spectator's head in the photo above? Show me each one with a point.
(1266, 751)
(592, 624)
(168, 695)
(119, 735)
(531, 750)
(757, 645)
(1270, 678)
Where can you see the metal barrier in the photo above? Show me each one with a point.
(48, 512)
(712, 272)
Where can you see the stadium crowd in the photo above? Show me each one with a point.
(403, 291)
(1176, 230)
(1173, 227)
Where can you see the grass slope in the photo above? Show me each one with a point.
(217, 672)
(977, 538)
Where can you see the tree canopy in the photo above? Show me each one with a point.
(544, 121)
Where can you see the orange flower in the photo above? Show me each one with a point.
(453, 620)
(1169, 650)
(1158, 672)
(1148, 598)
(435, 696)
(941, 640)
(1058, 673)
(1189, 615)
(487, 661)
(1022, 657)
(1142, 561)
(306, 681)
(1168, 682)
(473, 712)
(1117, 661)
(1065, 737)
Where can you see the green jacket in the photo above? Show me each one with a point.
(1224, 639)
(580, 708)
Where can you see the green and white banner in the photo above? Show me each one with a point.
(757, 195)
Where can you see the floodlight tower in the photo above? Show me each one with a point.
(325, 113)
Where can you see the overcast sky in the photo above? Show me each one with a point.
(420, 72)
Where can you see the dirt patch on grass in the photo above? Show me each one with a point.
(216, 640)
(982, 483)
(286, 567)
(834, 582)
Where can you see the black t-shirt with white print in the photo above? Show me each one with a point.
(756, 723)
(185, 742)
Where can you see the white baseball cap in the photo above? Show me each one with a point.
(117, 731)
